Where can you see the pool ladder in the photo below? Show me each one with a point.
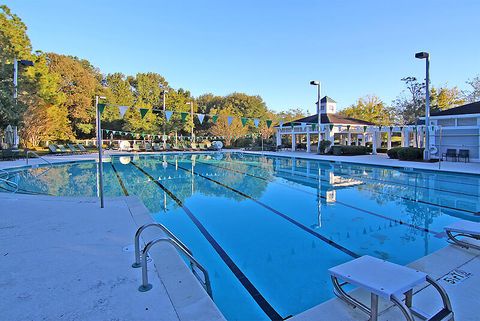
(5, 178)
(28, 152)
(141, 257)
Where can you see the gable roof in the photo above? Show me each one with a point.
(330, 119)
(472, 108)
(327, 99)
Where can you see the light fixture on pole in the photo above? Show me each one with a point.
(319, 116)
(426, 56)
(26, 63)
(164, 94)
(192, 139)
(100, 150)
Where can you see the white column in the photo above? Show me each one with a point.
(389, 139)
(349, 139)
(420, 138)
(279, 137)
(308, 140)
(293, 141)
(374, 143)
(405, 137)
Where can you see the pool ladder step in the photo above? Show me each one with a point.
(141, 257)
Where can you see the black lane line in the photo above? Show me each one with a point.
(438, 234)
(377, 192)
(256, 295)
(284, 216)
(119, 179)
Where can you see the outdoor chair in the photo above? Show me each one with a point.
(464, 154)
(157, 147)
(466, 230)
(389, 281)
(136, 147)
(54, 149)
(73, 149)
(452, 153)
(148, 147)
(82, 148)
(63, 149)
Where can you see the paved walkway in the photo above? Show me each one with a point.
(67, 259)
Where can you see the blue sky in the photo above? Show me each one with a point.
(270, 48)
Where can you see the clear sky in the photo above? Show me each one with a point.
(268, 47)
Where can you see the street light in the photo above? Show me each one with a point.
(193, 123)
(319, 117)
(100, 151)
(26, 63)
(164, 94)
(426, 56)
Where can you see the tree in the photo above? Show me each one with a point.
(79, 82)
(473, 95)
(445, 98)
(222, 128)
(371, 109)
(290, 115)
(410, 106)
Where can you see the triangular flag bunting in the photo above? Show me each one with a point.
(244, 121)
(256, 121)
(200, 118)
(214, 119)
(143, 112)
(314, 127)
(269, 123)
(364, 128)
(122, 110)
(168, 114)
(101, 108)
(184, 116)
(229, 120)
(331, 127)
(348, 127)
(303, 125)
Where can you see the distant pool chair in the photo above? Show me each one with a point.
(464, 154)
(466, 230)
(452, 153)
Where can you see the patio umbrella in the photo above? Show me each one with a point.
(9, 139)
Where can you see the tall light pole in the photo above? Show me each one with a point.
(319, 117)
(26, 63)
(100, 150)
(193, 123)
(426, 56)
(165, 120)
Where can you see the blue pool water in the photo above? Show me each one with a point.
(268, 228)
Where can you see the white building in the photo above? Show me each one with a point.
(457, 128)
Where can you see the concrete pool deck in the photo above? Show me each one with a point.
(67, 259)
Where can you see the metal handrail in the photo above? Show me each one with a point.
(137, 262)
(147, 286)
(38, 156)
(7, 181)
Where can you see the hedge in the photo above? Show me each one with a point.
(406, 153)
(339, 150)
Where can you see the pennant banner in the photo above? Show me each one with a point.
(168, 114)
(184, 116)
(200, 118)
(122, 110)
(269, 123)
(244, 121)
(229, 120)
(256, 121)
(214, 119)
(314, 127)
(331, 127)
(101, 108)
(143, 112)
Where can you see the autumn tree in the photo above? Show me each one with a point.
(472, 94)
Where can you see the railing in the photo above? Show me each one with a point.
(7, 180)
(38, 156)
(141, 259)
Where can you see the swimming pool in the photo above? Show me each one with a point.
(268, 228)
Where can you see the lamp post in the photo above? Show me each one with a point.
(100, 151)
(319, 117)
(26, 63)
(164, 115)
(426, 56)
(193, 123)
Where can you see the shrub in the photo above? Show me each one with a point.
(349, 150)
(324, 144)
(410, 153)
(393, 152)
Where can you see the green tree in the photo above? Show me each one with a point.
(371, 109)
(445, 98)
(411, 105)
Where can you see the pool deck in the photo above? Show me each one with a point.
(66, 259)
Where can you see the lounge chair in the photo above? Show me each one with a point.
(73, 149)
(157, 147)
(466, 229)
(63, 149)
(148, 147)
(54, 149)
(389, 281)
(136, 147)
(452, 153)
(464, 154)
(81, 148)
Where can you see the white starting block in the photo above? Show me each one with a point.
(466, 229)
(389, 281)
